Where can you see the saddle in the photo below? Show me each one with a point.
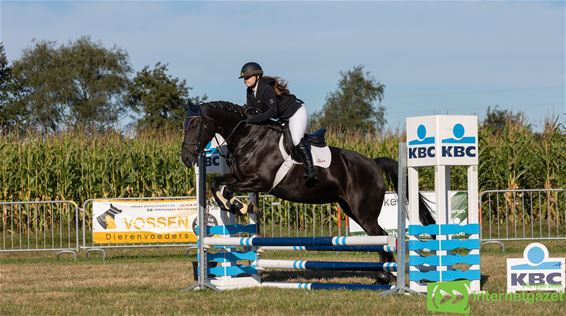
(315, 139)
(320, 152)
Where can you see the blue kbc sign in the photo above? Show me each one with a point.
(463, 146)
(426, 145)
(215, 163)
(213, 158)
(536, 271)
(442, 140)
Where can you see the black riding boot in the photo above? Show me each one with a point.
(311, 177)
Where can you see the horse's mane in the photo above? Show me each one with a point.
(224, 105)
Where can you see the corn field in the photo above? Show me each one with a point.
(79, 167)
(76, 166)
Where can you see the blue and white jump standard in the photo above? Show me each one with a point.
(443, 141)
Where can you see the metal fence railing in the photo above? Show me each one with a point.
(63, 227)
(528, 214)
(39, 226)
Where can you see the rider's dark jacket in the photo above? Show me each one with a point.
(271, 105)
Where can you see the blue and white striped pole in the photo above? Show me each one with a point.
(301, 241)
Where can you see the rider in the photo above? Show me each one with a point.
(271, 96)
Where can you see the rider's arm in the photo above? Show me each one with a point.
(270, 100)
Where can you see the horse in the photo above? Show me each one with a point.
(352, 180)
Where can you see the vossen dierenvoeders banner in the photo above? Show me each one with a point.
(143, 221)
(442, 140)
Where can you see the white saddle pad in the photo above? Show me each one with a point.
(320, 155)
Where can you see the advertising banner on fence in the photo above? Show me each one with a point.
(388, 216)
(144, 221)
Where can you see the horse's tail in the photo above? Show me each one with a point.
(390, 169)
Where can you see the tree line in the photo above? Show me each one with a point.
(82, 85)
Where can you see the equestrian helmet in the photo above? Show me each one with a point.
(251, 69)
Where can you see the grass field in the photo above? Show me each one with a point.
(151, 281)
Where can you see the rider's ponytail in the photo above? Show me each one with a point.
(279, 85)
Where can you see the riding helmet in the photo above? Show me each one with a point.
(251, 69)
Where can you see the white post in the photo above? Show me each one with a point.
(413, 187)
(473, 189)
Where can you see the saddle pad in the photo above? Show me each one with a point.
(320, 155)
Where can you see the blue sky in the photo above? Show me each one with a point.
(434, 57)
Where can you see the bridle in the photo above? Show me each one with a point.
(198, 144)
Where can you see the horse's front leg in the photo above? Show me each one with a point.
(223, 188)
(250, 185)
(222, 195)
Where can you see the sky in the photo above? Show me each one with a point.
(434, 57)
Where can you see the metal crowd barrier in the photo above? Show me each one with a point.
(529, 214)
(63, 227)
(39, 226)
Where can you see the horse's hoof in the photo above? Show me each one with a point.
(236, 209)
(244, 210)
(383, 278)
(241, 207)
(223, 203)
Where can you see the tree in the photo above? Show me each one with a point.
(78, 85)
(352, 106)
(98, 78)
(159, 98)
(496, 119)
(12, 113)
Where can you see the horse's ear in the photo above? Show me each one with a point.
(192, 109)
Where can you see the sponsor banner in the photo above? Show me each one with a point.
(142, 237)
(421, 141)
(442, 140)
(214, 162)
(388, 216)
(536, 271)
(148, 221)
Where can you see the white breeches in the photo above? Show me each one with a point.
(298, 124)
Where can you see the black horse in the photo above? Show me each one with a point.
(352, 180)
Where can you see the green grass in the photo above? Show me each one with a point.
(151, 281)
